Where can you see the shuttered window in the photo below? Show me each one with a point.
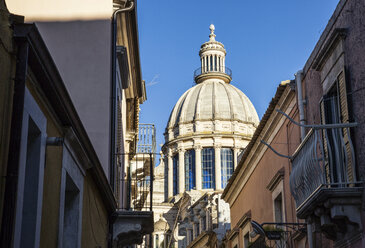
(337, 147)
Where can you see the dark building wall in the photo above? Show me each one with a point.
(81, 51)
(350, 15)
(7, 74)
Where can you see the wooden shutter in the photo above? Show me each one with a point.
(342, 92)
(325, 147)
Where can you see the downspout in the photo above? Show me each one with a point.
(298, 80)
(113, 105)
(12, 172)
(113, 91)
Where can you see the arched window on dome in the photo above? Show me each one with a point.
(208, 173)
(175, 161)
(227, 165)
(189, 169)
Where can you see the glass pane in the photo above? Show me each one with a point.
(226, 165)
(208, 180)
(189, 169)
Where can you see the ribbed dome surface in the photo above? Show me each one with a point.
(213, 100)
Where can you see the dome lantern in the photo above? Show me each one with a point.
(212, 58)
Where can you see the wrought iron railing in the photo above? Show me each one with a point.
(206, 69)
(276, 234)
(324, 159)
(146, 138)
(138, 183)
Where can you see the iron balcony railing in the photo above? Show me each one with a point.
(210, 69)
(325, 159)
(146, 138)
(138, 182)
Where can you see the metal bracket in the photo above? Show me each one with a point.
(277, 153)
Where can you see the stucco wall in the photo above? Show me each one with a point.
(95, 217)
(255, 196)
(81, 51)
(52, 178)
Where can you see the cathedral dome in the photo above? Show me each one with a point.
(208, 127)
(213, 100)
(213, 104)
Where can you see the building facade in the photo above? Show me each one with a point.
(322, 156)
(331, 152)
(72, 90)
(258, 193)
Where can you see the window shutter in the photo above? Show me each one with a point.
(324, 139)
(345, 119)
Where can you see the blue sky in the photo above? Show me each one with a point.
(266, 42)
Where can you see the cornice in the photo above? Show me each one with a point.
(276, 179)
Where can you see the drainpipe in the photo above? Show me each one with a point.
(298, 80)
(113, 94)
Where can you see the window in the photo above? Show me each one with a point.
(72, 185)
(197, 229)
(189, 169)
(71, 213)
(337, 147)
(175, 161)
(226, 165)
(208, 168)
(246, 240)
(30, 178)
(204, 223)
(191, 236)
(278, 207)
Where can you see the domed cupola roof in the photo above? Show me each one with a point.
(213, 98)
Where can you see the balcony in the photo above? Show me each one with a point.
(323, 180)
(221, 72)
(134, 219)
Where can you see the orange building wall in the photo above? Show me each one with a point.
(255, 196)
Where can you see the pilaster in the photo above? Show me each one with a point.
(198, 167)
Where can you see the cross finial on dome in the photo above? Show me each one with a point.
(212, 35)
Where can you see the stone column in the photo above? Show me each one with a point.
(170, 173)
(208, 57)
(235, 156)
(224, 64)
(198, 167)
(205, 63)
(217, 167)
(181, 170)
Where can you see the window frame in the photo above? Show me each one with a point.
(208, 166)
(31, 112)
(226, 172)
(189, 164)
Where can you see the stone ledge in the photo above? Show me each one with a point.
(129, 227)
